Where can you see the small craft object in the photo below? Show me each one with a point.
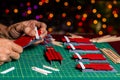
(89, 56)
(42, 71)
(111, 54)
(53, 55)
(7, 70)
(51, 68)
(26, 40)
(77, 40)
(95, 66)
(82, 47)
(106, 38)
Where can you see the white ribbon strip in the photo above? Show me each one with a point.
(82, 65)
(72, 46)
(36, 35)
(79, 57)
(66, 38)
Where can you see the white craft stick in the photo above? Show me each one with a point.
(8, 70)
(66, 38)
(37, 70)
(36, 35)
(51, 68)
(41, 70)
(79, 57)
(71, 45)
(82, 65)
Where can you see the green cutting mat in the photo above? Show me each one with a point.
(34, 56)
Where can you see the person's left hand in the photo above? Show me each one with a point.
(28, 28)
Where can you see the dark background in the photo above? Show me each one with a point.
(77, 16)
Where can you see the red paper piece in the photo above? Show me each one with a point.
(53, 55)
(96, 66)
(78, 40)
(25, 40)
(84, 47)
(90, 56)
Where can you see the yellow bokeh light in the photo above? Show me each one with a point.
(84, 15)
(100, 33)
(29, 12)
(104, 19)
(115, 15)
(66, 4)
(109, 6)
(98, 15)
(51, 15)
(57, 1)
(50, 29)
(92, 1)
(40, 3)
(68, 23)
(95, 21)
(114, 2)
(79, 7)
(94, 10)
(104, 26)
(15, 10)
(46, 1)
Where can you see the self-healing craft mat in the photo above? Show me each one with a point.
(34, 56)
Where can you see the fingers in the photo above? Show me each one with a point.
(17, 48)
(14, 55)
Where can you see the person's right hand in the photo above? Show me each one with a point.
(9, 50)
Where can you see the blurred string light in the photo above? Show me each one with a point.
(35, 7)
(94, 10)
(92, 1)
(98, 15)
(50, 29)
(57, 1)
(100, 32)
(80, 24)
(66, 3)
(46, 1)
(29, 12)
(104, 26)
(109, 6)
(95, 21)
(68, 23)
(79, 7)
(40, 3)
(15, 10)
(77, 16)
(41, 16)
(63, 15)
(104, 19)
(50, 16)
(7, 11)
(114, 2)
(28, 3)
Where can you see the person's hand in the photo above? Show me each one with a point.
(9, 50)
(28, 28)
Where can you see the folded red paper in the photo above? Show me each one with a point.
(90, 56)
(96, 66)
(53, 55)
(25, 40)
(78, 40)
(84, 47)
